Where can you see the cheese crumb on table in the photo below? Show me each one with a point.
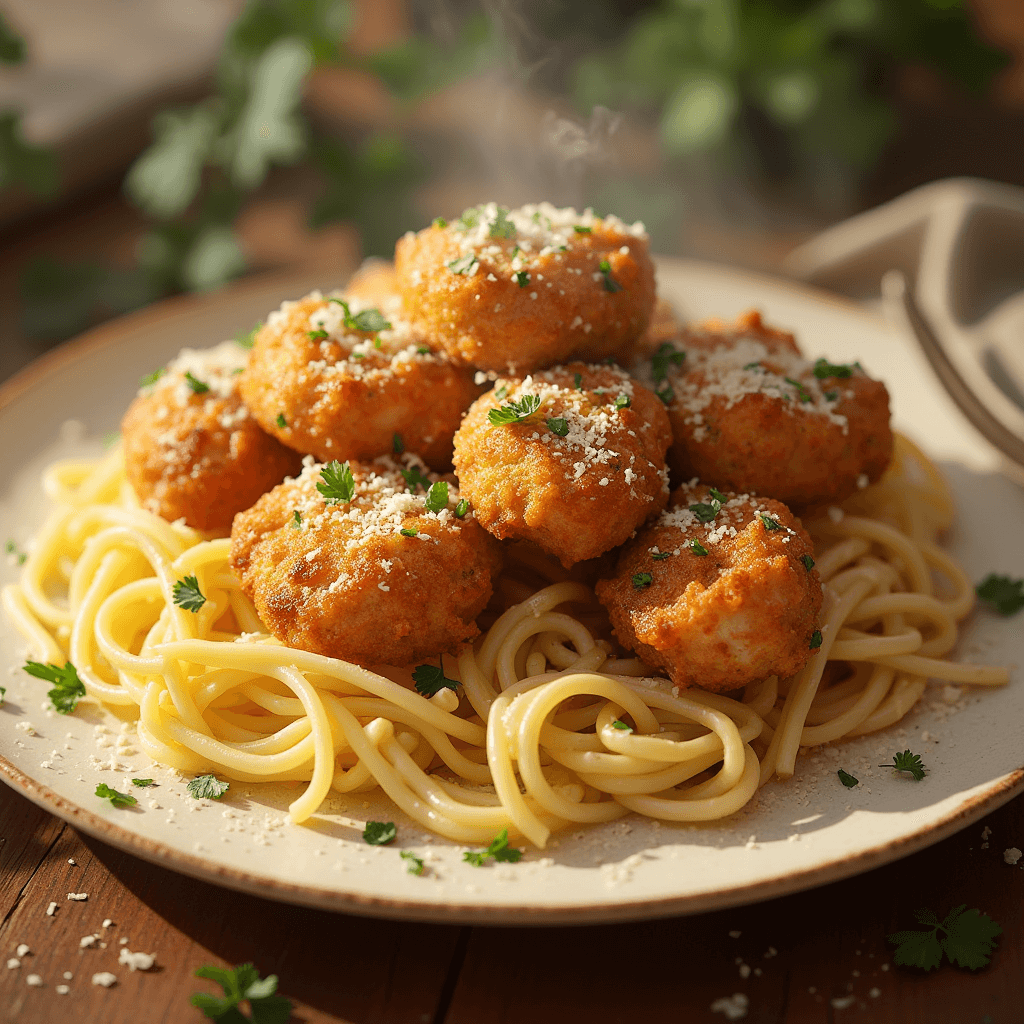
(51, 909)
(136, 961)
(22, 950)
(1012, 855)
(78, 896)
(732, 1007)
(104, 978)
(62, 990)
(34, 980)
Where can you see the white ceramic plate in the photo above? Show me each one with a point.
(794, 835)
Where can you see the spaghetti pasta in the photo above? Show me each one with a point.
(550, 726)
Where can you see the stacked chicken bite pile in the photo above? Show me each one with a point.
(371, 556)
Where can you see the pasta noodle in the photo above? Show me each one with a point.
(549, 728)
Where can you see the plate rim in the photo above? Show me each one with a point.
(451, 911)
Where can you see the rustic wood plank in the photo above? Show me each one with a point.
(335, 968)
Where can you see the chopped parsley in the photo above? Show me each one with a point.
(318, 335)
(296, 522)
(142, 783)
(397, 444)
(469, 219)
(515, 411)
(697, 548)
(498, 850)
(414, 478)
(659, 556)
(808, 562)
(769, 523)
(501, 392)
(437, 496)
(241, 984)
(440, 222)
(3, 694)
(12, 549)
(848, 780)
(67, 690)
(717, 495)
(578, 381)
(281, 421)
(581, 230)
(151, 378)
(429, 680)
(823, 368)
(337, 483)
(1003, 594)
(502, 226)
(409, 531)
(666, 394)
(197, 386)
(117, 798)
(641, 580)
(831, 396)
(416, 865)
(187, 595)
(422, 350)
(463, 264)
(207, 787)
(558, 425)
(752, 366)
(610, 284)
(907, 762)
(705, 511)
(619, 724)
(815, 640)
(246, 339)
(968, 940)
(461, 508)
(521, 278)
(379, 833)
(801, 392)
(369, 321)
(622, 402)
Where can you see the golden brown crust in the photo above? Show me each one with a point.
(327, 390)
(562, 310)
(344, 581)
(742, 612)
(577, 495)
(374, 283)
(200, 456)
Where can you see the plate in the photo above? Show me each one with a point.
(793, 835)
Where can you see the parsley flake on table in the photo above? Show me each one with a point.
(848, 780)
(823, 368)
(515, 411)
(415, 478)
(337, 483)
(117, 798)
(281, 421)
(429, 680)
(815, 640)
(907, 762)
(187, 594)
(808, 562)
(462, 265)
(142, 783)
(241, 984)
(461, 508)
(558, 425)
(769, 523)
(666, 356)
(498, 850)
(397, 444)
(207, 787)
(151, 378)
(437, 496)
(12, 549)
(416, 865)
(3, 694)
(1003, 594)
(641, 580)
(67, 690)
(697, 548)
(968, 940)
(610, 284)
(198, 387)
(379, 833)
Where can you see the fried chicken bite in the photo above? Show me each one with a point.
(570, 458)
(520, 290)
(719, 591)
(191, 449)
(376, 563)
(749, 412)
(339, 378)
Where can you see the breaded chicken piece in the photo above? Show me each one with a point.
(325, 386)
(520, 290)
(749, 412)
(192, 450)
(719, 593)
(576, 476)
(359, 561)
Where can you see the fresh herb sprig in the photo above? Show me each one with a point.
(848, 780)
(498, 850)
(117, 798)
(824, 369)
(369, 321)
(1001, 593)
(907, 762)
(207, 787)
(437, 496)
(241, 984)
(429, 679)
(968, 940)
(187, 595)
(379, 833)
(609, 282)
(516, 411)
(337, 483)
(705, 511)
(67, 690)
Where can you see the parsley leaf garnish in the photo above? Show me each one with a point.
(502, 226)
(187, 595)
(706, 511)
(663, 358)
(907, 762)
(847, 779)
(659, 556)
(1002, 593)
(117, 798)
(319, 335)
(281, 421)
(610, 284)
(521, 278)
(337, 483)
(414, 478)
(151, 378)
(246, 339)
(240, 984)
(296, 522)
(197, 386)
(437, 496)
(831, 396)
(207, 787)
(515, 411)
(368, 321)
(622, 402)
(801, 392)
(440, 222)
(461, 508)
(397, 444)
(968, 940)
(752, 366)
(429, 680)
(469, 219)
(641, 580)
(463, 264)
(67, 690)
(808, 562)
(416, 864)
(666, 394)
(581, 230)
(823, 368)
(769, 523)
(379, 833)
(409, 531)
(578, 381)
(498, 849)
(619, 724)
(717, 495)
(142, 783)
(558, 425)
(697, 548)
(815, 640)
